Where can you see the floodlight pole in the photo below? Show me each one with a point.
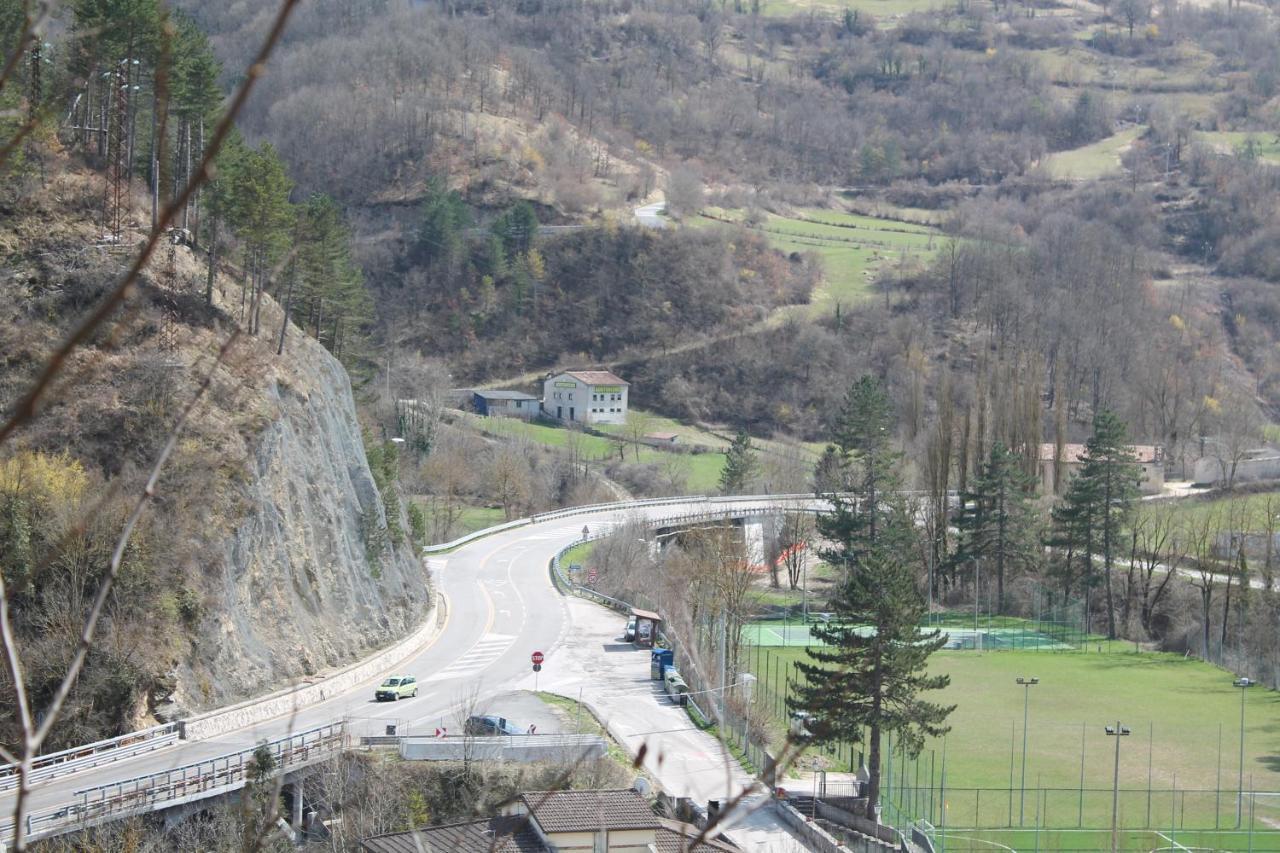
(1244, 684)
(1118, 732)
(1027, 684)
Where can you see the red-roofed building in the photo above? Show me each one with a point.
(1150, 459)
(586, 397)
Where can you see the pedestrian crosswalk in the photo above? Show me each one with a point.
(487, 649)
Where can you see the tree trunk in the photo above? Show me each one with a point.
(213, 261)
(284, 324)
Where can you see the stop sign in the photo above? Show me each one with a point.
(536, 657)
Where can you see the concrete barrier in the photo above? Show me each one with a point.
(815, 837)
(520, 748)
(286, 701)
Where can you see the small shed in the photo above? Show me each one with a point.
(513, 404)
(661, 439)
(647, 623)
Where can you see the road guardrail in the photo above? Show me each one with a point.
(166, 788)
(91, 755)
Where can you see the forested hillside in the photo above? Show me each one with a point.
(973, 114)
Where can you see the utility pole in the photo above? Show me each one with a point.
(1244, 684)
(1117, 732)
(1027, 684)
(724, 633)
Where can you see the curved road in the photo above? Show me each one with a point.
(502, 605)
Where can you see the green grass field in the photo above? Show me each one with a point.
(1092, 840)
(1241, 511)
(1176, 709)
(1092, 161)
(1265, 144)
(853, 248)
(700, 470)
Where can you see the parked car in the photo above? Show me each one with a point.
(488, 725)
(629, 633)
(397, 687)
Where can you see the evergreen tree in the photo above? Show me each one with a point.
(517, 229)
(863, 434)
(740, 465)
(219, 199)
(829, 472)
(264, 219)
(871, 681)
(1091, 518)
(442, 228)
(996, 518)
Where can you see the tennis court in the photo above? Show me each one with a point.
(778, 633)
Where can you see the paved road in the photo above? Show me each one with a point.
(612, 677)
(502, 606)
(651, 216)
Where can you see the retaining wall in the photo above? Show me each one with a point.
(286, 701)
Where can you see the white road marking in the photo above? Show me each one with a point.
(487, 649)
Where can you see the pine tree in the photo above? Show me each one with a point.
(740, 465)
(829, 472)
(1099, 502)
(996, 518)
(264, 219)
(863, 434)
(442, 228)
(872, 680)
(517, 229)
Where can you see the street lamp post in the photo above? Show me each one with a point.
(1027, 684)
(1117, 732)
(1244, 684)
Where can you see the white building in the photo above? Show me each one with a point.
(586, 397)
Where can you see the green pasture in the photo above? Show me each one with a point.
(853, 247)
(1092, 161)
(1249, 512)
(701, 470)
(1265, 144)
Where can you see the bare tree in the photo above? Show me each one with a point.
(795, 543)
(1158, 558)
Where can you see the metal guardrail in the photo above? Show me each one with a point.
(612, 507)
(166, 788)
(91, 755)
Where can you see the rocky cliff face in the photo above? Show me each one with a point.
(298, 593)
(250, 568)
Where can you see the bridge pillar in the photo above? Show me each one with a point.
(295, 817)
(753, 537)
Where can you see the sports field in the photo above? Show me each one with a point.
(1094, 840)
(984, 637)
(1178, 767)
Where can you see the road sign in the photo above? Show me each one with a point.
(537, 658)
(537, 667)
(592, 575)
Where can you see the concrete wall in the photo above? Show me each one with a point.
(815, 837)
(1152, 482)
(286, 701)
(1209, 471)
(520, 749)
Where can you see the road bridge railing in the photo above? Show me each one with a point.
(167, 788)
(101, 752)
